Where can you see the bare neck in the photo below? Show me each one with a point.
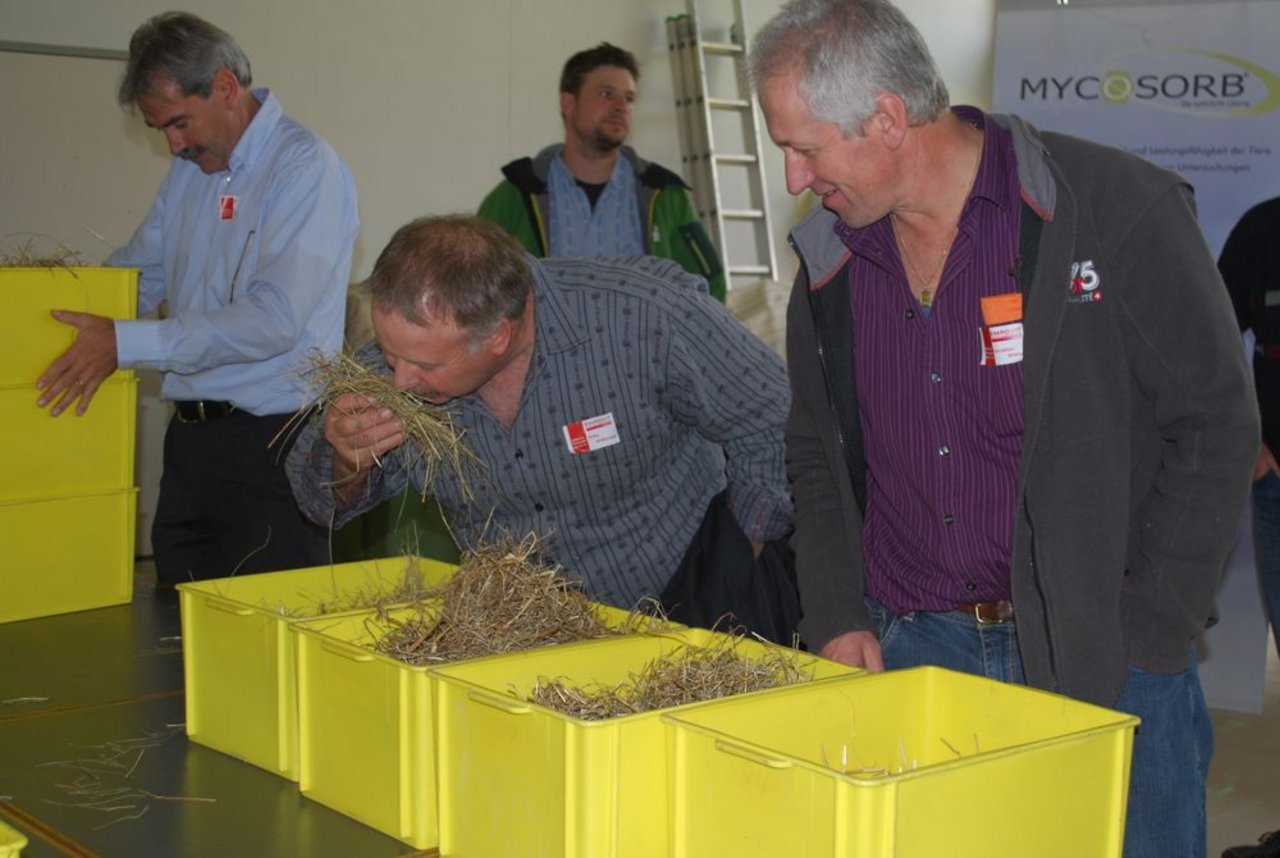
(588, 164)
(939, 168)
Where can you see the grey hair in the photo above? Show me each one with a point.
(456, 266)
(846, 53)
(183, 48)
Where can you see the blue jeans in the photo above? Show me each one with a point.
(1266, 537)
(1171, 750)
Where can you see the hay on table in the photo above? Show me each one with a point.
(428, 427)
(503, 598)
(691, 674)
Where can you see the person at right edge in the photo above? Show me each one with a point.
(1022, 427)
(1250, 266)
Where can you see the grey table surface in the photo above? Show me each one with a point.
(94, 760)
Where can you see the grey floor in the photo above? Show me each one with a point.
(1243, 798)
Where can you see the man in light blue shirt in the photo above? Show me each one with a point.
(249, 241)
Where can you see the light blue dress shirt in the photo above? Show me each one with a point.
(254, 261)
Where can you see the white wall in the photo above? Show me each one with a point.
(425, 99)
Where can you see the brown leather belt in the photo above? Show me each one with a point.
(988, 613)
(202, 411)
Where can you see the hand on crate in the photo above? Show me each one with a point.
(860, 649)
(77, 373)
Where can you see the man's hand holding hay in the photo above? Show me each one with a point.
(360, 430)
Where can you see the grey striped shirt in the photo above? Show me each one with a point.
(697, 400)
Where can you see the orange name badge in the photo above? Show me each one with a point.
(1001, 309)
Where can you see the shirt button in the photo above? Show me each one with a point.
(971, 586)
(911, 314)
(538, 507)
(935, 377)
(944, 451)
(519, 454)
(948, 519)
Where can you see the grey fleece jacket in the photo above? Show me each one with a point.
(1140, 428)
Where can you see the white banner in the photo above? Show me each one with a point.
(1192, 87)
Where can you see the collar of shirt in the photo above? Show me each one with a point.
(994, 183)
(257, 136)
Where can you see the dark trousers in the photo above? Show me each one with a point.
(719, 584)
(225, 504)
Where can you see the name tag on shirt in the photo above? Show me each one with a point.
(1001, 332)
(593, 433)
(227, 207)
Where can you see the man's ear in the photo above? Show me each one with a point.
(499, 339)
(889, 121)
(567, 100)
(226, 88)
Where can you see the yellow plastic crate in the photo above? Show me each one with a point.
(517, 779)
(30, 338)
(933, 757)
(366, 737)
(238, 651)
(66, 554)
(11, 842)
(43, 456)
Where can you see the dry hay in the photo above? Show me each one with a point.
(691, 674)
(429, 427)
(411, 588)
(504, 598)
(26, 256)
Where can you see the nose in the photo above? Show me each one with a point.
(175, 139)
(404, 375)
(799, 176)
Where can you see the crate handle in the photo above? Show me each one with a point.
(752, 755)
(345, 652)
(228, 608)
(510, 706)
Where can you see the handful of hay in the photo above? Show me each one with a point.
(504, 598)
(689, 675)
(429, 427)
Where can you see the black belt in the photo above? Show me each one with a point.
(202, 410)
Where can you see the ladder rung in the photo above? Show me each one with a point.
(742, 214)
(728, 104)
(734, 159)
(750, 269)
(722, 48)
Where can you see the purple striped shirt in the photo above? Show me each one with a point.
(942, 432)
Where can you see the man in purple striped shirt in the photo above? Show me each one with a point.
(1021, 431)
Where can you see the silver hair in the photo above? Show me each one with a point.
(846, 53)
(183, 48)
(458, 267)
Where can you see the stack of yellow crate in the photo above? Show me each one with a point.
(67, 499)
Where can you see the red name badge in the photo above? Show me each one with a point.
(227, 207)
(593, 433)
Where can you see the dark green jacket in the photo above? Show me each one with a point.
(671, 227)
